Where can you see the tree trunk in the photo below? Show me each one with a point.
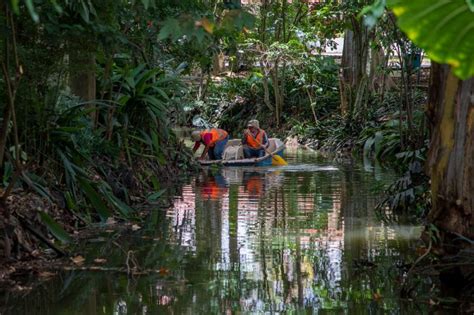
(450, 158)
(82, 78)
(376, 75)
(353, 64)
(266, 96)
(263, 17)
(4, 132)
(218, 64)
(277, 91)
(11, 86)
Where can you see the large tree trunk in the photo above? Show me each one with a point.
(354, 66)
(378, 61)
(82, 78)
(450, 159)
(218, 64)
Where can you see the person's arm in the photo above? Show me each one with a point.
(204, 152)
(206, 139)
(196, 146)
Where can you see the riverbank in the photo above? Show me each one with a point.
(39, 231)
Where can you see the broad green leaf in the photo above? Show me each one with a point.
(7, 173)
(56, 6)
(443, 28)
(161, 92)
(378, 143)
(136, 71)
(156, 142)
(155, 182)
(155, 196)
(368, 146)
(70, 203)
(84, 12)
(171, 28)
(373, 12)
(156, 104)
(238, 19)
(15, 5)
(123, 208)
(54, 228)
(470, 4)
(38, 184)
(31, 9)
(94, 198)
(124, 99)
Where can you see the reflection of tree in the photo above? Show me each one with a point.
(233, 223)
(286, 249)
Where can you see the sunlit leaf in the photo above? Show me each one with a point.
(31, 9)
(373, 12)
(207, 25)
(470, 4)
(78, 260)
(444, 28)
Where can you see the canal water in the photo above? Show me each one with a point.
(298, 239)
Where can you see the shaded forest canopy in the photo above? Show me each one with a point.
(93, 90)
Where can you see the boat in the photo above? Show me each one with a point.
(234, 154)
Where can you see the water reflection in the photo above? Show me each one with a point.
(260, 240)
(280, 240)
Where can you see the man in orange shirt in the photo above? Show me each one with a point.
(214, 140)
(254, 140)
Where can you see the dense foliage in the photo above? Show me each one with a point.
(92, 97)
(93, 89)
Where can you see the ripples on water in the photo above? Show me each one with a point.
(257, 240)
(285, 238)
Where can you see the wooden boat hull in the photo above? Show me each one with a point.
(266, 160)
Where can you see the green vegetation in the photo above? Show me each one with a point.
(93, 90)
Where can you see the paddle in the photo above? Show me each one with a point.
(276, 159)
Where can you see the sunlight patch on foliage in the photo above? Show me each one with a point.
(442, 28)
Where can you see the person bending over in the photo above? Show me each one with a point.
(214, 140)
